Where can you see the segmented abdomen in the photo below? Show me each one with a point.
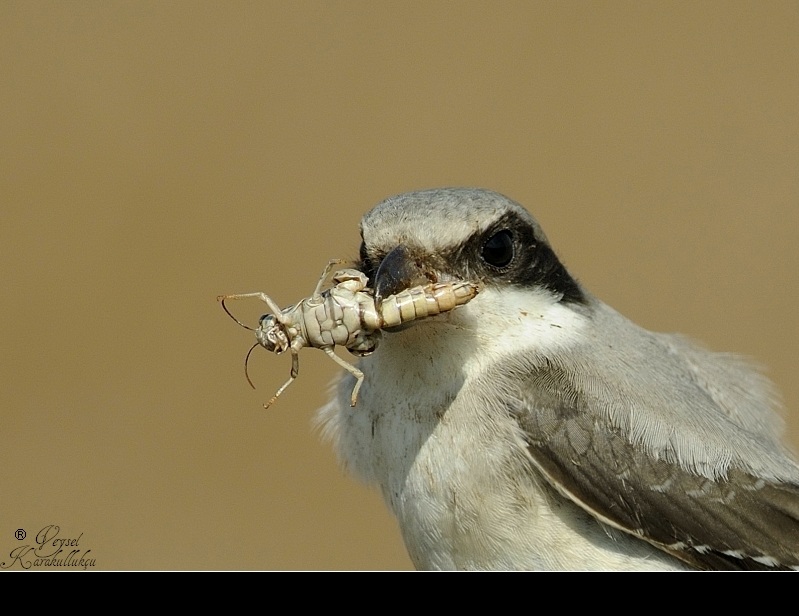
(426, 301)
(343, 316)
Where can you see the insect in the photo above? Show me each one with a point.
(346, 314)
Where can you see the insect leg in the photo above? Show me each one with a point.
(295, 370)
(349, 368)
(325, 274)
(259, 295)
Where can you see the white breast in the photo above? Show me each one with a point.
(452, 466)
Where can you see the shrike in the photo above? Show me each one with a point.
(537, 428)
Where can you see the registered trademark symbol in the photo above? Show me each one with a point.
(20, 534)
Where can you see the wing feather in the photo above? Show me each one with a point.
(736, 521)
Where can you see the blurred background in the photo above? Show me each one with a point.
(155, 155)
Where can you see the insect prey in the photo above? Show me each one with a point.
(346, 314)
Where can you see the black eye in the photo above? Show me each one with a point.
(498, 250)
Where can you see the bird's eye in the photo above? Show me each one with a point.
(498, 250)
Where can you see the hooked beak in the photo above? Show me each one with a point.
(398, 271)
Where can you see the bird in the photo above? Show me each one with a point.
(536, 428)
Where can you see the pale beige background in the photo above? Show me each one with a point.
(156, 154)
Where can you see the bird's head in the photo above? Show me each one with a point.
(447, 234)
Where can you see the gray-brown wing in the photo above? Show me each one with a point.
(737, 522)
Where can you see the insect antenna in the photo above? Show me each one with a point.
(246, 363)
(222, 299)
